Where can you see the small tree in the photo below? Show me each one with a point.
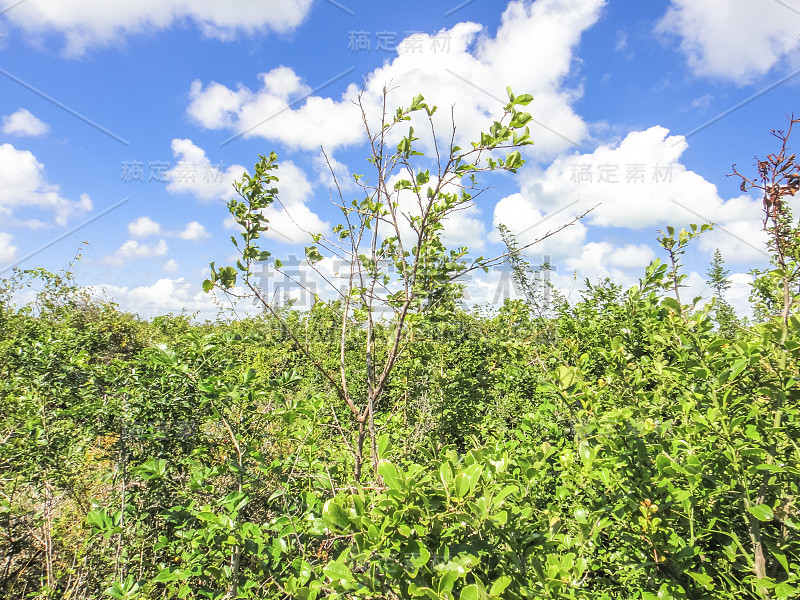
(778, 180)
(718, 276)
(390, 240)
(676, 247)
(718, 279)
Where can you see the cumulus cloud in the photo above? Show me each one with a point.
(736, 40)
(638, 183)
(267, 112)
(167, 295)
(194, 232)
(621, 264)
(340, 179)
(23, 186)
(133, 250)
(528, 223)
(172, 296)
(738, 295)
(144, 227)
(460, 66)
(194, 174)
(8, 252)
(171, 265)
(23, 123)
(739, 234)
(96, 23)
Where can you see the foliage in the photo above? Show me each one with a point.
(724, 314)
(635, 451)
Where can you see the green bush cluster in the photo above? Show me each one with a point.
(629, 446)
(629, 458)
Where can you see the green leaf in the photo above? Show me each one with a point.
(313, 255)
(235, 501)
(334, 514)
(446, 474)
(166, 575)
(762, 512)
(662, 462)
(784, 591)
(672, 304)
(337, 571)
(566, 376)
(390, 475)
(462, 485)
(500, 585)
(502, 494)
(470, 592)
(115, 592)
(208, 517)
(738, 367)
(585, 451)
(384, 445)
(208, 285)
(705, 580)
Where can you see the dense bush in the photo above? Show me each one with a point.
(624, 447)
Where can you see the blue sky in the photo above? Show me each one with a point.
(130, 122)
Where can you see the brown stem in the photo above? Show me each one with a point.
(359, 453)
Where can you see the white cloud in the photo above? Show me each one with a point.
(529, 223)
(461, 66)
(631, 256)
(214, 106)
(739, 236)
(703, 101)
(621, 264)
(23, 186)
(638, 183)
(267, 113)
(343, 176)
(173, 296)
(23, 123)
(194, 232)
(132, 250)
(194, 174)
(8, 252)
(171, 265)
(737, 40)
(739, 293)
(144, 227)
(622, 41)
(167, 295)
(95, 23)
